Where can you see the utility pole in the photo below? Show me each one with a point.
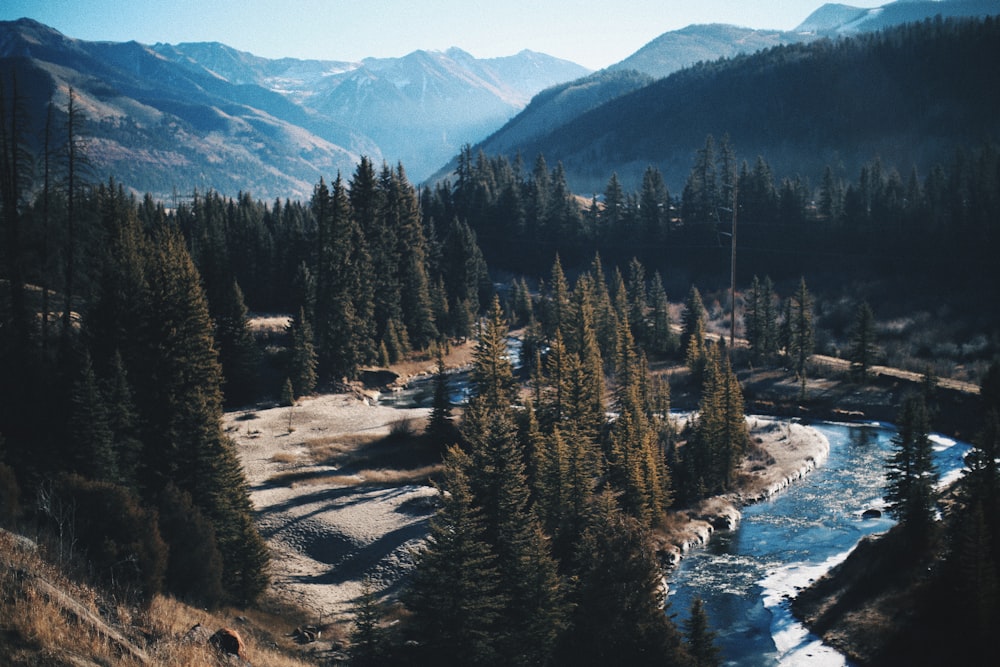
(732, 284)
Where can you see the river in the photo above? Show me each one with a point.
(746, 577)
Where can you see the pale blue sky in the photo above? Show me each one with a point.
(593, 33)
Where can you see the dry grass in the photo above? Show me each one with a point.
(285, 457)
(47, 619)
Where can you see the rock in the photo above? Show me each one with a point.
(229, 642)
(871, 513)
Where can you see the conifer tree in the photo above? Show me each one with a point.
(492, 372)
(556, 313)
(605, 320)
(123, 422)
(344, 323)
(586, 398)
(238, 351)
(863, 346)
(761, 323)
(440, 427)
(618, 615)
(801, 334)
(414, 282)
(93, 452)
(531, 616)
(638, 303)
(368, 641)
(699, 638)
(633, 462)
(911, 477)
(455, 593)
(663, 340)
(181, 409)
(693, 332)
(302, 358)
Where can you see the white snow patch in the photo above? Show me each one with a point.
(795, 644)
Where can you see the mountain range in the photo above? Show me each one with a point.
(168, 119)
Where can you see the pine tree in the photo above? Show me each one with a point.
(699, 638)
(302, 358)
(93, 452)
(455, 593)
(368, 641)
(492, 372)
(761, 322)
(618, 603)
(801, 334)
(402, 212)
(663, 340)
(863, 346)
(638, 303)
(440, 427)
(343, 323)
(180, 403)
(693, 332)
(911, 478)
(556, 312)
(123, 422)
(238, 351)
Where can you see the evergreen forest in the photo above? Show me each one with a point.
(125, 333)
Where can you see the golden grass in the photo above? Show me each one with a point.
(363, 477)
(45, 618)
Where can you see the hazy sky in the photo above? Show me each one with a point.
(593, 33)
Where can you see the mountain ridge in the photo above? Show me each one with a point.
(167, 118)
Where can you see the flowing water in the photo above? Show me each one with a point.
(747, 577)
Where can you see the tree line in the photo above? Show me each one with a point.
(124, 331)
(880, 222)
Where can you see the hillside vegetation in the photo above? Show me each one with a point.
(909, 94)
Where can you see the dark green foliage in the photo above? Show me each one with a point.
(618, 615)
(699, 638)
(718, 437)
(455, 592)
(663, 340)
(441, 429)
(182, 409)
(492, 372)
(368, 642)
(344, 322)
(92, 445)
(863, 346)
(194, 564)
(238, 352)
(761, 319)
(301, 359)
(801, 336)
(693, 332)
(911, 478)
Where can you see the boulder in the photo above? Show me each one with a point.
(871, 513)
(229, 642)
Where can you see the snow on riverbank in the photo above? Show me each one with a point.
(795, 450)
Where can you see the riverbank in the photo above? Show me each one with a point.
(785, 452)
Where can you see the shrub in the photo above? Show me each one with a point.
(194, 568)
(120, 537)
